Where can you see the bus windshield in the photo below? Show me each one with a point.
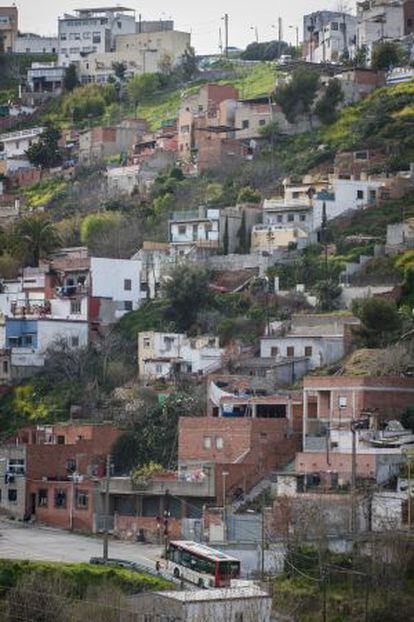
(229, 570)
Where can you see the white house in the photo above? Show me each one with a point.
(29, 339)
(327, 35)
(17, 143)
(122, 179)
(33, 44)
(45, 77)
(285, 213)
(92, 30)
(320, 338)
(117, 280)
(345, 195)
(195, 228)
(379, 20)
(238, 604)
(161, 354)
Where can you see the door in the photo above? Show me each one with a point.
(33, 503)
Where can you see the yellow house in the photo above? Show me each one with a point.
(268, 238)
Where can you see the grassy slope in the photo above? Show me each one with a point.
(384, 119)
(253, 82)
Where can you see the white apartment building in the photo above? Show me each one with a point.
(345, 195)
(327, 35)
(118, 281)
(380, 20)
(288, 213)
(16, 143)
(195, 228)
(162, 354)
(92, 30)
(319, 338)
(45, 77)
(33, 44)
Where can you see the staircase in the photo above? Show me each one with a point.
(261, 487)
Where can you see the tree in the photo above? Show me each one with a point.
(242, 235)
(94, 226)
(34, 237)
(296, 97)
(70, 80)
(165, 64)
(226, 237)
(119, 70)
(187, 292)
(45, 153)
(188, 64)
(326, 106)
(380, 321)
(361, 56)
(142, 86)
(328, 292)
(249, 195)
(386, 55)
(269, 50)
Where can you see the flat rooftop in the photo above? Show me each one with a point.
(215, 594)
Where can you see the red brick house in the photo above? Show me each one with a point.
(63, 465)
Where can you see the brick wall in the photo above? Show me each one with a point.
(81, 519)
(340, 463)
(128, 527)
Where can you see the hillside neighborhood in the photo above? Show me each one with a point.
(207, 318)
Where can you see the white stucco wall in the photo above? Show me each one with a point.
(108, 281)
(325, 350)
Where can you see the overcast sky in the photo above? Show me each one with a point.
(201, 17)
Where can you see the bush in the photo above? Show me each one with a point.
(94, 226)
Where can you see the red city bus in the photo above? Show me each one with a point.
(202, 565)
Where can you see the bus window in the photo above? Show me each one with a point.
(229, 570)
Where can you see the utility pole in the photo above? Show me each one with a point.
(226, 34)
(280, 28)
(224, 475)
(167, 515)
(263, 539)
(353, 481)
(106, 530)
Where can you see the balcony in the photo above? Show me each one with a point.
(161, 484)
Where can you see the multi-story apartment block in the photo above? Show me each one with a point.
(9, 16)
(163, 354)
(380, 20)
(327, 35)
(15, 144)
(92, 30)
(33, 44)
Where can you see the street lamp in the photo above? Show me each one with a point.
(296, 29)
(256, 32)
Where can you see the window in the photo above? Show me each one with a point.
(158, 368)
(290, 351)
(82, 499)
(360, 194)
(262, 122)
(75, 307)
(127, 285)
(295, 194)
(60, 439)
(182, 230)
(42, 498)
(291, 217)
(168, 342)
(27, 341)
(334, 26)
(75, 341)
(71, 465)
(274, 351)
(86, 35)
(12, 495)
(63, 36)
(238, 617)
(361, 155)
(219, 442)
(147, 342)
(207, 442)
(96, 38)
(280, 218)
(308, 350)
(128, 305)
(302, 217)
(343, 402)
(16, 466)
(5, 367)
(60, 498)
(245, 124)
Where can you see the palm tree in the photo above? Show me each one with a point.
(35, 236)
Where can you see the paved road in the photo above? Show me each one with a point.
(37, 543)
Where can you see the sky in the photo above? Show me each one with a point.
(200, 17)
